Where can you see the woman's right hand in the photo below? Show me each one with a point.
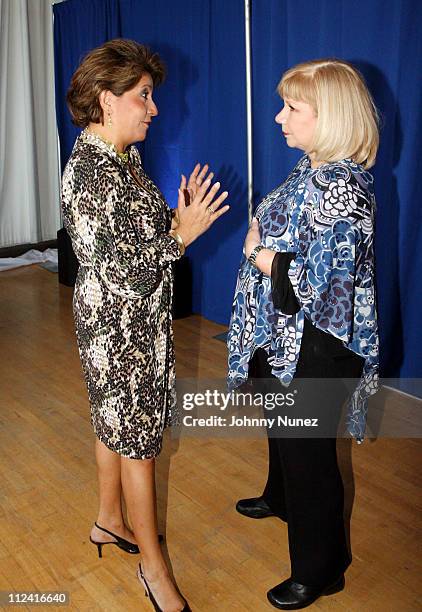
(203, 211)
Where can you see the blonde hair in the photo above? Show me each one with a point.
(347, 119)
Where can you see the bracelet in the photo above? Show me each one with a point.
(252, 257)
(179, 241)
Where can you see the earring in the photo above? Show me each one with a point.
(109, 122)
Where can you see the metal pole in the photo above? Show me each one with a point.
(249, 105)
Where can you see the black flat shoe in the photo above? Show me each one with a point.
(129, 547)
(255, 507)
(148, 593)
(290, 595)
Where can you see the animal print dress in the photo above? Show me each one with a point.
(118, 222)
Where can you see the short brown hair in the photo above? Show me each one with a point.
(347, 124)
(117, 66)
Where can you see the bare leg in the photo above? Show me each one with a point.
(138, 481)
(110, 488)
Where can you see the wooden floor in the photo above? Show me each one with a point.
(222, 561)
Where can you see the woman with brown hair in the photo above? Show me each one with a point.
(305, 308)
(125, 239)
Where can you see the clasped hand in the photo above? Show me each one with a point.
(253, 238)
(204, 206)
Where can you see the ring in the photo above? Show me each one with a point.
(210, 210)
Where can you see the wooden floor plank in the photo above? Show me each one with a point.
(221, 560)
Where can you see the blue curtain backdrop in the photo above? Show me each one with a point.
(202, 117)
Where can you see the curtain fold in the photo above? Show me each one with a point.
(29, 172)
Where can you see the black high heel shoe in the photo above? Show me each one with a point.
(125, 545)
(129, 547)
(148, 593)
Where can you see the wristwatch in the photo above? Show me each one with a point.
(252, 257)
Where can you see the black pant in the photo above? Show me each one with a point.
(304, 484)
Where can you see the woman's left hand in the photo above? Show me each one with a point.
(197, 177)
(253, 238)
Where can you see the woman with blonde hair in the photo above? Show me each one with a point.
(125, 240)
(304, 308)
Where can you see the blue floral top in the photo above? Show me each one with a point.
(326, 217)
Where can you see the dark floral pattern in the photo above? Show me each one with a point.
(325, 216)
